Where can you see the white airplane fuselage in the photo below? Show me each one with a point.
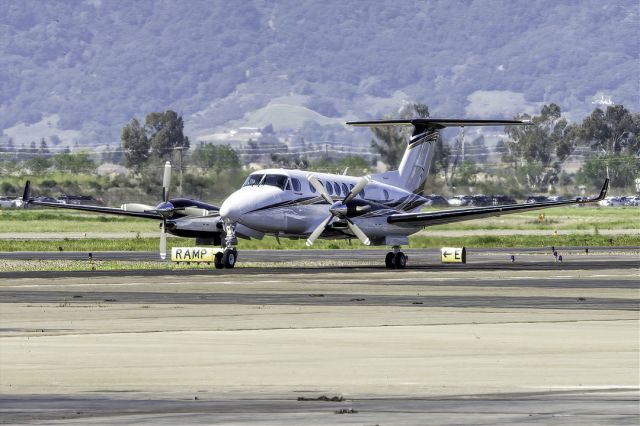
(283, 202)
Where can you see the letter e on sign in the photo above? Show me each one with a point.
(453, 255)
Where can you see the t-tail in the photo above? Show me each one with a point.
(414, 167)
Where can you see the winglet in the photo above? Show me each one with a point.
(604, 190)
(26, 195)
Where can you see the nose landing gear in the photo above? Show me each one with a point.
(396, 259)
(228, 257)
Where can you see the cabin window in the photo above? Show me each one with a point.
(253, 180)
(336, 188)
(345, 189)
(296, 185)
(329, 188)
(362, 194)
(386, 194)
(312, 188)
(276, 180)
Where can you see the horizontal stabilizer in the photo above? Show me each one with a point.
(438, 123)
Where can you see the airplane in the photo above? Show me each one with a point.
(378, 209)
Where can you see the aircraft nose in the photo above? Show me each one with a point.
(230, 211)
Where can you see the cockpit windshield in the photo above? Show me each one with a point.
(276, 180)
(272, 180)
(253, 180)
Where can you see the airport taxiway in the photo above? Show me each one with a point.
(487, 342)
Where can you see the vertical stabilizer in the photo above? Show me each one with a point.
(416, 161)
(414, 167)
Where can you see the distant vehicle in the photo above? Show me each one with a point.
(47, 199)
(535, 199)
(498, 200)
(480, 200)
(78, 200)
(7, 202)
(556, 198)
(436, 200)
(616, 201)
(460, 200)
(634, 201)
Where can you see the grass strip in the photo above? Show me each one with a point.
(560, 218)
(270, 243)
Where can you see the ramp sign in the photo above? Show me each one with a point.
(453, 255)
(193, 254)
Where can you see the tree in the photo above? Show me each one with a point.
(135, 145)
(467, 174)
(611, 132)
(165, 133)
(44, 148)
(478, 149)
(357, 165)
(390, 141)
(622, 169)
(38, 164)
(537, 151)
(220, 158)
(79, 162)
(441, 157)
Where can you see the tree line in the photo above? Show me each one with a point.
(532, 156)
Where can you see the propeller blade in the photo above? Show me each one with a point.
(166, 181)
(358, 232)
(316, 233)
(320, 188)
(163, 240)
(356, 189)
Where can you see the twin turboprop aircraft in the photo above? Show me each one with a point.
(381, 209)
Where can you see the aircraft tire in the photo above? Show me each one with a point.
(400, 260)
(229, 258)
(217, 261)
(389, 260)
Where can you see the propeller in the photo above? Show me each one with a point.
(165, 209)
(338, 209)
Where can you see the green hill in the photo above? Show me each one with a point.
(96, 63)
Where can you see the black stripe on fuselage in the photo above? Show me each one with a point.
(407, 203)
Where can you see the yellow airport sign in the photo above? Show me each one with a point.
(453, 255)
(193, 254)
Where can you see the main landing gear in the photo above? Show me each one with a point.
(228, 257)
(395, 259)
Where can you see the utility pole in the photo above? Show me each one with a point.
(180, 150)
(463, 144)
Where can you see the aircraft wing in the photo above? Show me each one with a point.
(180, 207)
(97, 209)
(458, 215)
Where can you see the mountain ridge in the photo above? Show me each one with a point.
(96, 64)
